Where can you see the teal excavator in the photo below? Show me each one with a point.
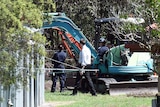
(112, 75)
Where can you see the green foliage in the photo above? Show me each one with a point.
(84, 12)
(14, 37)
(45, 5)
(7, 62)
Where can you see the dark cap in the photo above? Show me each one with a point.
(82, 41)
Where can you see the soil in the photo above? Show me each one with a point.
(48, 84)
(56, 103)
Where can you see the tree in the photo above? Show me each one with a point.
(14, 37)
(84, 12)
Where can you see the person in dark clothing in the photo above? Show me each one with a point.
(59, 56)
(84, 63)
(103, 48)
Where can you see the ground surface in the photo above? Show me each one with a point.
(48, 84)
(56, 103)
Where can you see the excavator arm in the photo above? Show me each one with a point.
(68, 40)
(70, 31)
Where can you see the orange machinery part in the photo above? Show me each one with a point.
(60, 32)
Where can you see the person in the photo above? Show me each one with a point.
(84, 63)
(58, 57)
(103, 48)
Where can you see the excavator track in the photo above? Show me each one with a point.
(133, 88)
(112, 87)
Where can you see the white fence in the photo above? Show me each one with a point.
(30, 96)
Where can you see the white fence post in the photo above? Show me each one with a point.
(31, 95)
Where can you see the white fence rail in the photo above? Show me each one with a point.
(30, 96)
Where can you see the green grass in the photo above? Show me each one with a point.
(86, 100)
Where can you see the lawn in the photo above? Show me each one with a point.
(86, 100)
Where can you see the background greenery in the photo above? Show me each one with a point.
(83, 13)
